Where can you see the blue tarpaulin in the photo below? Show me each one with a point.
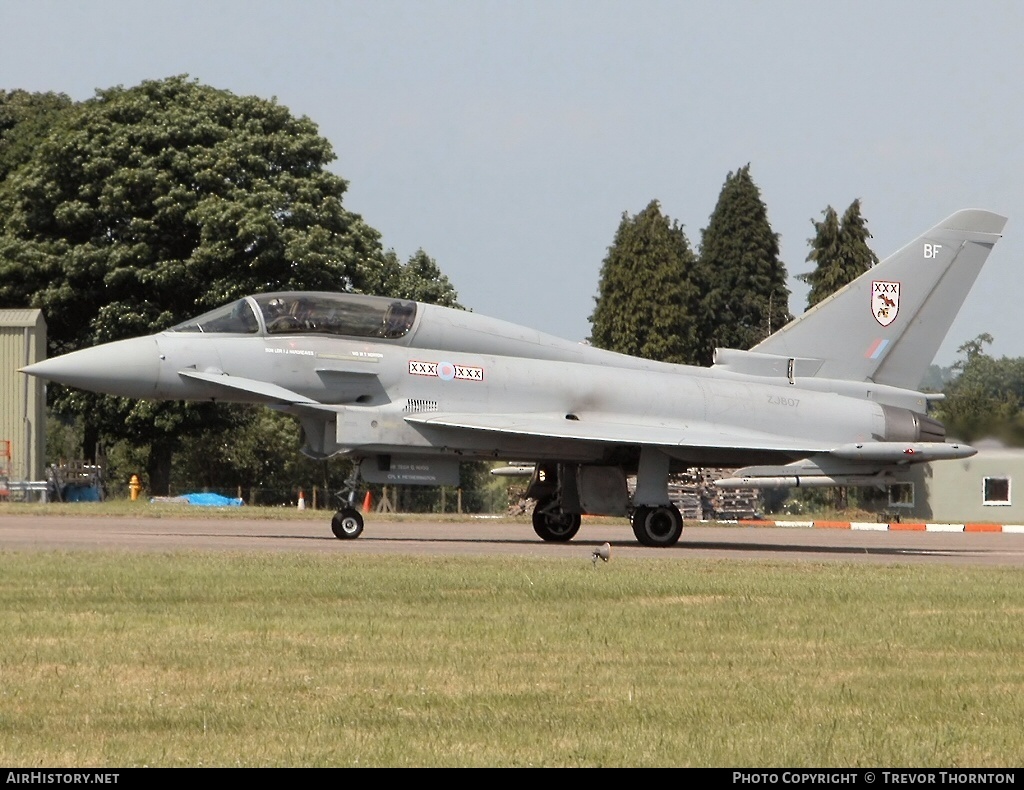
(212, 500)
(81, 493)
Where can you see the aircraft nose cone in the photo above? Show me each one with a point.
(130, 368)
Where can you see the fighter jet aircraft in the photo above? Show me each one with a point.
(409, 390)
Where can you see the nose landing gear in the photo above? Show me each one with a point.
(347, 523)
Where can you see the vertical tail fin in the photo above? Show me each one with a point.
(887, 325)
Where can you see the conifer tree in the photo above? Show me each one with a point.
(855, 234)
(645, 298)
(823, 279)
(742, 281)
(840, 252)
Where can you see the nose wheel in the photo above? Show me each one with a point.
(347, 524)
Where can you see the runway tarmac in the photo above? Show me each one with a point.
(492, 537)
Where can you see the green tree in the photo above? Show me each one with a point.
(260, 449)
(146, 205)
(986, 397)
(856, 252)
(420, 279)
(25, 120)
(839, 251)
(826, 277)
(740, 274)
(645, 298)
(149, 204)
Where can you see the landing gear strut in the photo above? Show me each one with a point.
(347, 523)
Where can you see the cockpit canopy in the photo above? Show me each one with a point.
(302, 313)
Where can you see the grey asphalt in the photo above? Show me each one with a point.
(490, 537)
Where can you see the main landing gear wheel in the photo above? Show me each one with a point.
(658, 526)
(347, 524)
(551, 524)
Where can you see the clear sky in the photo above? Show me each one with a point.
(507, 137)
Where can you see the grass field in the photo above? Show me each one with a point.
(192, 659)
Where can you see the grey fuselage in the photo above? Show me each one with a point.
(516, 393)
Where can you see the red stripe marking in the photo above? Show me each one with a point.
(983, 527)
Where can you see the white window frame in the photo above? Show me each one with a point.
(996, 502)
(909, 502)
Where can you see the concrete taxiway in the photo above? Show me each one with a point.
(493, 537)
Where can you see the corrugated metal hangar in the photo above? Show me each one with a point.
(22, 398)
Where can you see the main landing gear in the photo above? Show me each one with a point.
(553, 524)
(564, 491)
(659, 526)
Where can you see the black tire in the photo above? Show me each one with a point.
(552, 525)
(658, 526)
(347, 524)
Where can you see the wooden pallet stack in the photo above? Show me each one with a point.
(697, 498)
(692, 491)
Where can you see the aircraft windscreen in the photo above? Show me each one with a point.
(236, 317)
(352, 315)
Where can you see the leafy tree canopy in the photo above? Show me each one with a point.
(743, 282)
(24, 119)
(419, 279)
(986, 398)
(146, 205)
(143, 206)
(645, 297)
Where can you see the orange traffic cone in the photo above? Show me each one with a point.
(367, 502)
